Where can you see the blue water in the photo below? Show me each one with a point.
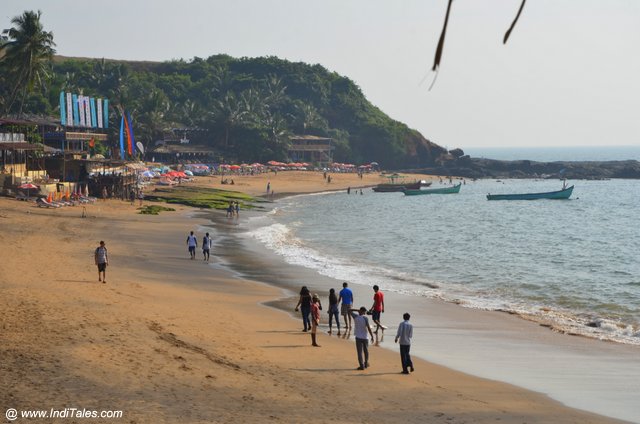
(553, 154)
(572, 264)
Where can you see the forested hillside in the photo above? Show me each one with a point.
(249, 107)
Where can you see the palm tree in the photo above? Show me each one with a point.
(26, 56)
(229, 112)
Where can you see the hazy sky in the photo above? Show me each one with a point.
(570, 74)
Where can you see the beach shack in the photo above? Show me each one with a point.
(312, 149)
(20, 158)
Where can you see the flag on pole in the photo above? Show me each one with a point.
(122, 137)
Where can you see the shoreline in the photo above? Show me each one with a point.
(152, 337)
(444, 334)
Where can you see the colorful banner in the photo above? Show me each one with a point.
(87, 111)
(92, 106)
(122, 138)
(70, 121)
(133, 140)
(76, 111)
(127, 134)
(63, 116)
(99, 104)
(106, 113)
(83, 122)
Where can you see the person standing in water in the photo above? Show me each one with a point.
(192, 243)
(206, 246)
(377, 308)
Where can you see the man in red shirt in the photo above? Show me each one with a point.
(378, 308)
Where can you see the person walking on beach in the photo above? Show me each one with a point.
(346, 296)
(404, 335)
(140, 196)
(333, 310)
(206, 246)
(102, 260)
(377, 308)
(315, 318)
(304, 305)
(192, 243)
(362, 342)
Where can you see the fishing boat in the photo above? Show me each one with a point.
(441, 190)
(391, 187)
(560, 194)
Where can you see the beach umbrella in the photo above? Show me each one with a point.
(189, 173)
(28, 187)
(234, 167)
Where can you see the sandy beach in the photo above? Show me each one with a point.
(168, 339)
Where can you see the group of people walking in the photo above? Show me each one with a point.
(342, 304)
(192, 243)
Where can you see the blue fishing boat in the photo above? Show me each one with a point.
(442, 190)
(565, 193)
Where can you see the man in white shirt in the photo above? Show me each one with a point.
(192, 243)
(361, 325)
(404, 335)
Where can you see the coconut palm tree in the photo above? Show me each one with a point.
(230, 112)
(26, 56)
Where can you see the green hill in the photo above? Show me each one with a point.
(248, 107)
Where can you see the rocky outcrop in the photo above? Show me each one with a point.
(465, 166)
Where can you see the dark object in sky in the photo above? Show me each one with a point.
(440, 48)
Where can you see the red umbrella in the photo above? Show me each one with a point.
(28, 186)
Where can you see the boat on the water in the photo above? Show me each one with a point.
(560, 194)
(393, 187)
(441, 190)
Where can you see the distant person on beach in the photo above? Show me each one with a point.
(230, 210)
(404, 335)
(362, 342)
(192, 243)
(104, 193)
(346, 296)
(304, 305)
(333, 310)
(140, 196)
(268, 186)
(132, 196)
(102, 260)
(237, 209)
(377, 308)
(316, 307)
(206, 246)
(348, 190)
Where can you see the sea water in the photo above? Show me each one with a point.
(573, 265)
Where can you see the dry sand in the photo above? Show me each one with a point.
(170, 340)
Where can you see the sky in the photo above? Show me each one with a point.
(569, 75)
